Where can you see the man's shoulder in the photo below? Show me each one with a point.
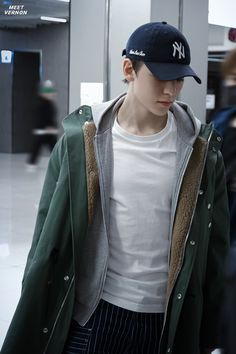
(81, 112)
(76, 119)
(211, 135)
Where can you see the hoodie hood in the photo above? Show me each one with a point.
(188, 126)
(103, 112)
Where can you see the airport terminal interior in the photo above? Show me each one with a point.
(71, 51)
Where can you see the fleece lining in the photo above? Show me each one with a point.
(185, 209)
(89, 130)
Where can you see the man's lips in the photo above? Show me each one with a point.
(166, 103)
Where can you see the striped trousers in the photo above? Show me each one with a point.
(114, 330)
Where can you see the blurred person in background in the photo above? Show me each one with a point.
(225, 122)
(229, 304)
(45, 124)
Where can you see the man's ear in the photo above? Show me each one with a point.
(128, 70)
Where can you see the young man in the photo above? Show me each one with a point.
(132, 230)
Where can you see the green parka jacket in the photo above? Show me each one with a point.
(200, 241)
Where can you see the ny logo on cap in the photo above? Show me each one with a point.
(178, 47)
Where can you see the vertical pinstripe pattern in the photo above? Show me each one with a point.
(114, 330)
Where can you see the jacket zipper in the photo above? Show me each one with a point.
(195, 204)
(177, 195)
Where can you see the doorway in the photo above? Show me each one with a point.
(25, 81)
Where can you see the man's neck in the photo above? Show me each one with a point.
(137, 120)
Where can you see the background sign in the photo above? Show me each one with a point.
(6, 56)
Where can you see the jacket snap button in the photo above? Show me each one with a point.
(192, 243)
(209, 225)
(80, 111)
(209, 206)
(66, 278)
(45, 330)
(179, 296)
(200, 192)
(218, 138)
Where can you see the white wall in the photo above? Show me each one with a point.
(165, 10)
(218, 38)
(126, 16)
(195, 28)
(87, 21)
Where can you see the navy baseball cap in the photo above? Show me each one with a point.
(163, 49)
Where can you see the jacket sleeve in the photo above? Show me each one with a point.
(50, 183)
(217, 253)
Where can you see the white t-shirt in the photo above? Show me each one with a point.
(140, 204)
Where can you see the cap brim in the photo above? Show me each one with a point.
(171, 71)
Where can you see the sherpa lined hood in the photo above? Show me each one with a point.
(188, 125)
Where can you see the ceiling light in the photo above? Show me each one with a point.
(64, 0)
(53, 19)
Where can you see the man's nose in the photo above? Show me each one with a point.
(170, 88)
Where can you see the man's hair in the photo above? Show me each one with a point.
(136, 64)
(229, 63)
